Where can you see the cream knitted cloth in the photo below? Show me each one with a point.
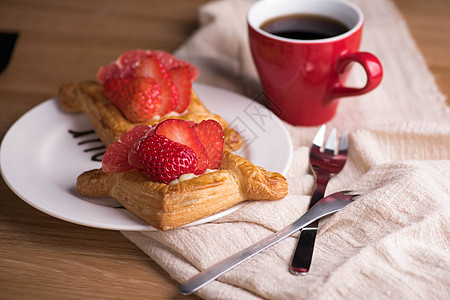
(394, 242)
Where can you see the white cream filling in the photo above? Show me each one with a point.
(169, 115)
(172, 114)
(188, 176)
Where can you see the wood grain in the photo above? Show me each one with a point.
(63, 41)
(429, 24)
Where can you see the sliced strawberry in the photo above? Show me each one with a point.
(107, 72)
(183, 132)
(139, 99)
(126, 64)
(182, 79)
(151, 67)
(115, 159)
(170, 61)
(131, 57)
(210, 134)
(134, 160)
(165, 160)
(129, 62)
(128, 71)
(130, 137)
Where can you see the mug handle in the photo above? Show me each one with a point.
(371, 65)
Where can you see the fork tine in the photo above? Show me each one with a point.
(331, 142)
(320, 136)
(343, 144)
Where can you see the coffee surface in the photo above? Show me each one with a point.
(304, 27)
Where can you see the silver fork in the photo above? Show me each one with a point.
(325, 164)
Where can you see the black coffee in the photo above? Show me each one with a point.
(304, 27)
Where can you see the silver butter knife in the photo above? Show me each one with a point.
(322, 208)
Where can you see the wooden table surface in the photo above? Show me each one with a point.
(66, 41)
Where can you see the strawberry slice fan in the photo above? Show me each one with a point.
(168, 150)
(139, 99)
(146, 83)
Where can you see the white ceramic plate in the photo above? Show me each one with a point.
(40, 159)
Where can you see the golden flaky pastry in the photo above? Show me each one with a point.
(170, 206)
(109, 123)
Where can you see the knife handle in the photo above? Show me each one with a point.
(304, 251)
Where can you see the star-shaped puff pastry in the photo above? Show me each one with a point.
(110, 124)
(170, 206)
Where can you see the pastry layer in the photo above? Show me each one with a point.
(170, 206)
(109, 123)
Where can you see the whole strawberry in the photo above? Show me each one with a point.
(139, 99)
(165, 160)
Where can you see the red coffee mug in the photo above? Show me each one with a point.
(303, 79)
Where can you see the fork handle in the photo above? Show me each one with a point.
(304, 251)
(301, 261)
(319, 192)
